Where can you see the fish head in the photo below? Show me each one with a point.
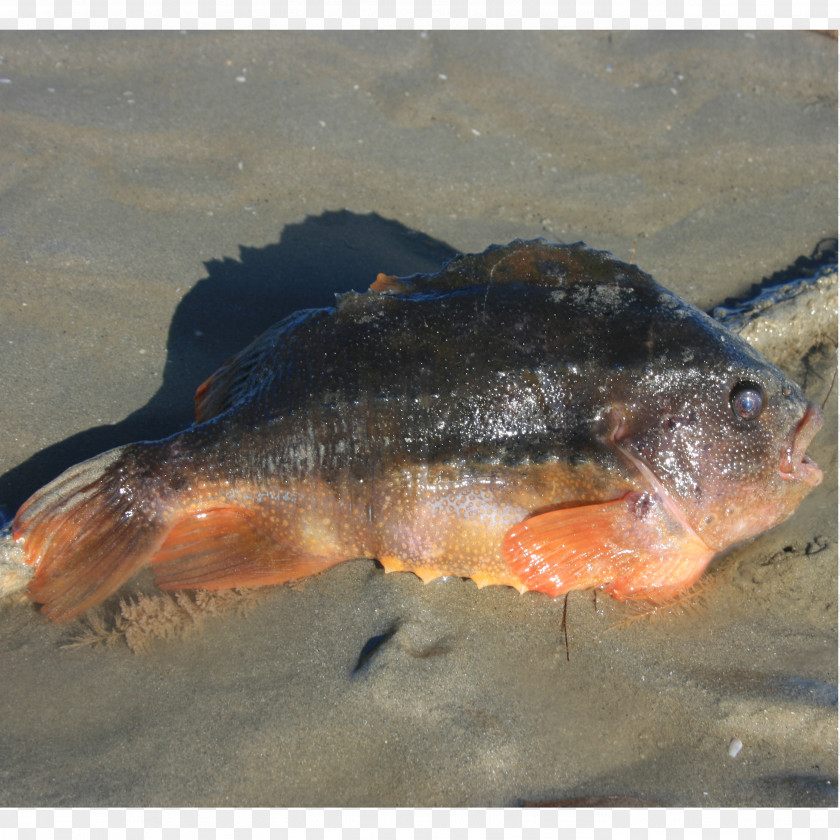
(716, 430)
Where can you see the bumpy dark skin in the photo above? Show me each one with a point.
(424, 421)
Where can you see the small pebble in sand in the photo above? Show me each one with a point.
(735, 747)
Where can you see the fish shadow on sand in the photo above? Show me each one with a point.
(237, 300)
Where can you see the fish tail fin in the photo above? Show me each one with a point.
(89, 530)
(92, 528)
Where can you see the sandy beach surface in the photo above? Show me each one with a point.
(166, 197)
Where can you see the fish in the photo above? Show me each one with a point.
(541, 416)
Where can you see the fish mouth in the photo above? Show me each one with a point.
(795, 464)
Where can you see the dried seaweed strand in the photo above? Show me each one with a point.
(141, 619)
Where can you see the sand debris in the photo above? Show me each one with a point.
(142, 619)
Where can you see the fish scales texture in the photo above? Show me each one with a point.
(540, 416)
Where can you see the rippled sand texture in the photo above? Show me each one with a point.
(163, 198)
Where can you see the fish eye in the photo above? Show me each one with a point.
(747, 400)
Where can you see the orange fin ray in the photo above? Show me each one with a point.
(225, 548)
(390, 285)
(247, 371)
(562, 550)
(85, 535)
(631, 549)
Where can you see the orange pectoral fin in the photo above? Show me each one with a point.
(225, 548)
(632, 550)
(562, 550)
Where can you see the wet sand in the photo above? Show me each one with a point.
(164, 198)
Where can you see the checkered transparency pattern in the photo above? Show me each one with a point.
(426, 824)
(533, 823)
(419, 14)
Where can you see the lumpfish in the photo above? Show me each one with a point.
(540, 416)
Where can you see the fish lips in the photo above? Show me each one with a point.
(795, 464)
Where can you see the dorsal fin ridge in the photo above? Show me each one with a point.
(239, 377)
(534, 262)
